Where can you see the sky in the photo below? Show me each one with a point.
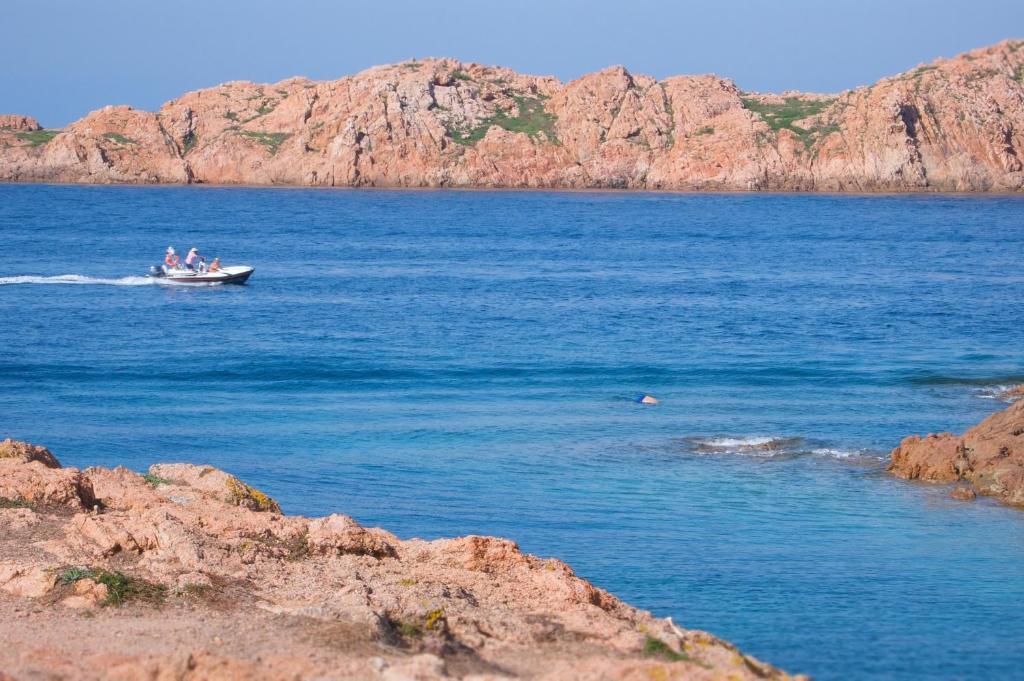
(64, 58)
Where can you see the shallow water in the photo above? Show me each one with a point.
(444, 363)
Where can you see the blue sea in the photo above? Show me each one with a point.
(444, 363)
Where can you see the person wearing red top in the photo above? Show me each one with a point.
(171, 260)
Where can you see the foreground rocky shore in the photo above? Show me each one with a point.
(952, 125)
(989, 457)
(189, 573)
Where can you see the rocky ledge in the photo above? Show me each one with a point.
(989, 457)
(189, 573)
(952, 125)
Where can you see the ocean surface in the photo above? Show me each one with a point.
(443, 363)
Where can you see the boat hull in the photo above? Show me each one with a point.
(228, 275)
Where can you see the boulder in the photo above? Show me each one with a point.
(989, 456)
(24, 452)
(33, 483)
(340, 534)
(216, 483)
(963, 493)
(31, 581)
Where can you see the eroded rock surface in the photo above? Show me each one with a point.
(187, 573)
(15, 122)
(955, 125)
(989, 456)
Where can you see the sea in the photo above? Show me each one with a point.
(443, 363)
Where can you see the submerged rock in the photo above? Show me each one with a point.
(963, 493)
(989, 456)
(189, 573)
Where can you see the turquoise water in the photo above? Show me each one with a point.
(445, 363)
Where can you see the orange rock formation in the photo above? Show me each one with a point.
(989, 456)
(190, 574)
(953, 125)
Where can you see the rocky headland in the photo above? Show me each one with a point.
(989, 457)
(952, 125)
(189, 573)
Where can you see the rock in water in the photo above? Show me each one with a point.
(989, 456)
(963, 493)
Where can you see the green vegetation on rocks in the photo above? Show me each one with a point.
(190, 141)
(531, 119)
(119, 138)
(271, 140)
(655, 647)
(121, 588)
(784, 116)
(37, 138)
(155, 480)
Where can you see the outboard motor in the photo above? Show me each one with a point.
(156, 271)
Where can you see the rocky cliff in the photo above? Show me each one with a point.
(952, 125)
(989, 457)
(187, 573)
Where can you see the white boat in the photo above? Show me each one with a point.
(236, 274)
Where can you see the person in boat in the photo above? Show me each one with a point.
(202, 264)
(215, 265)
(171, 259)
(191, 258)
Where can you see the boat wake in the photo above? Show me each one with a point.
(79, 279)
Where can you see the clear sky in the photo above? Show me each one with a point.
(63, 58)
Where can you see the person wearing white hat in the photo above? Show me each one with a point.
(190, 259)
(171, 260)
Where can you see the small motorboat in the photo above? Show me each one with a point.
(236, 274)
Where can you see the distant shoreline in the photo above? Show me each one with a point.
(954, 125)
(1005, 193)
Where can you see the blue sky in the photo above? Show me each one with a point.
(63, 58)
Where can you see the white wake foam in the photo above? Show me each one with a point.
(730, 442)
(997, 392)
(772, 447)
(748, 445)
(847, 453)
(79, 279)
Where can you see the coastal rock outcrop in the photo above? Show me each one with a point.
(14, 122)
(989, 456)
(188, 573)
(952, 125)
(1011, 394)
